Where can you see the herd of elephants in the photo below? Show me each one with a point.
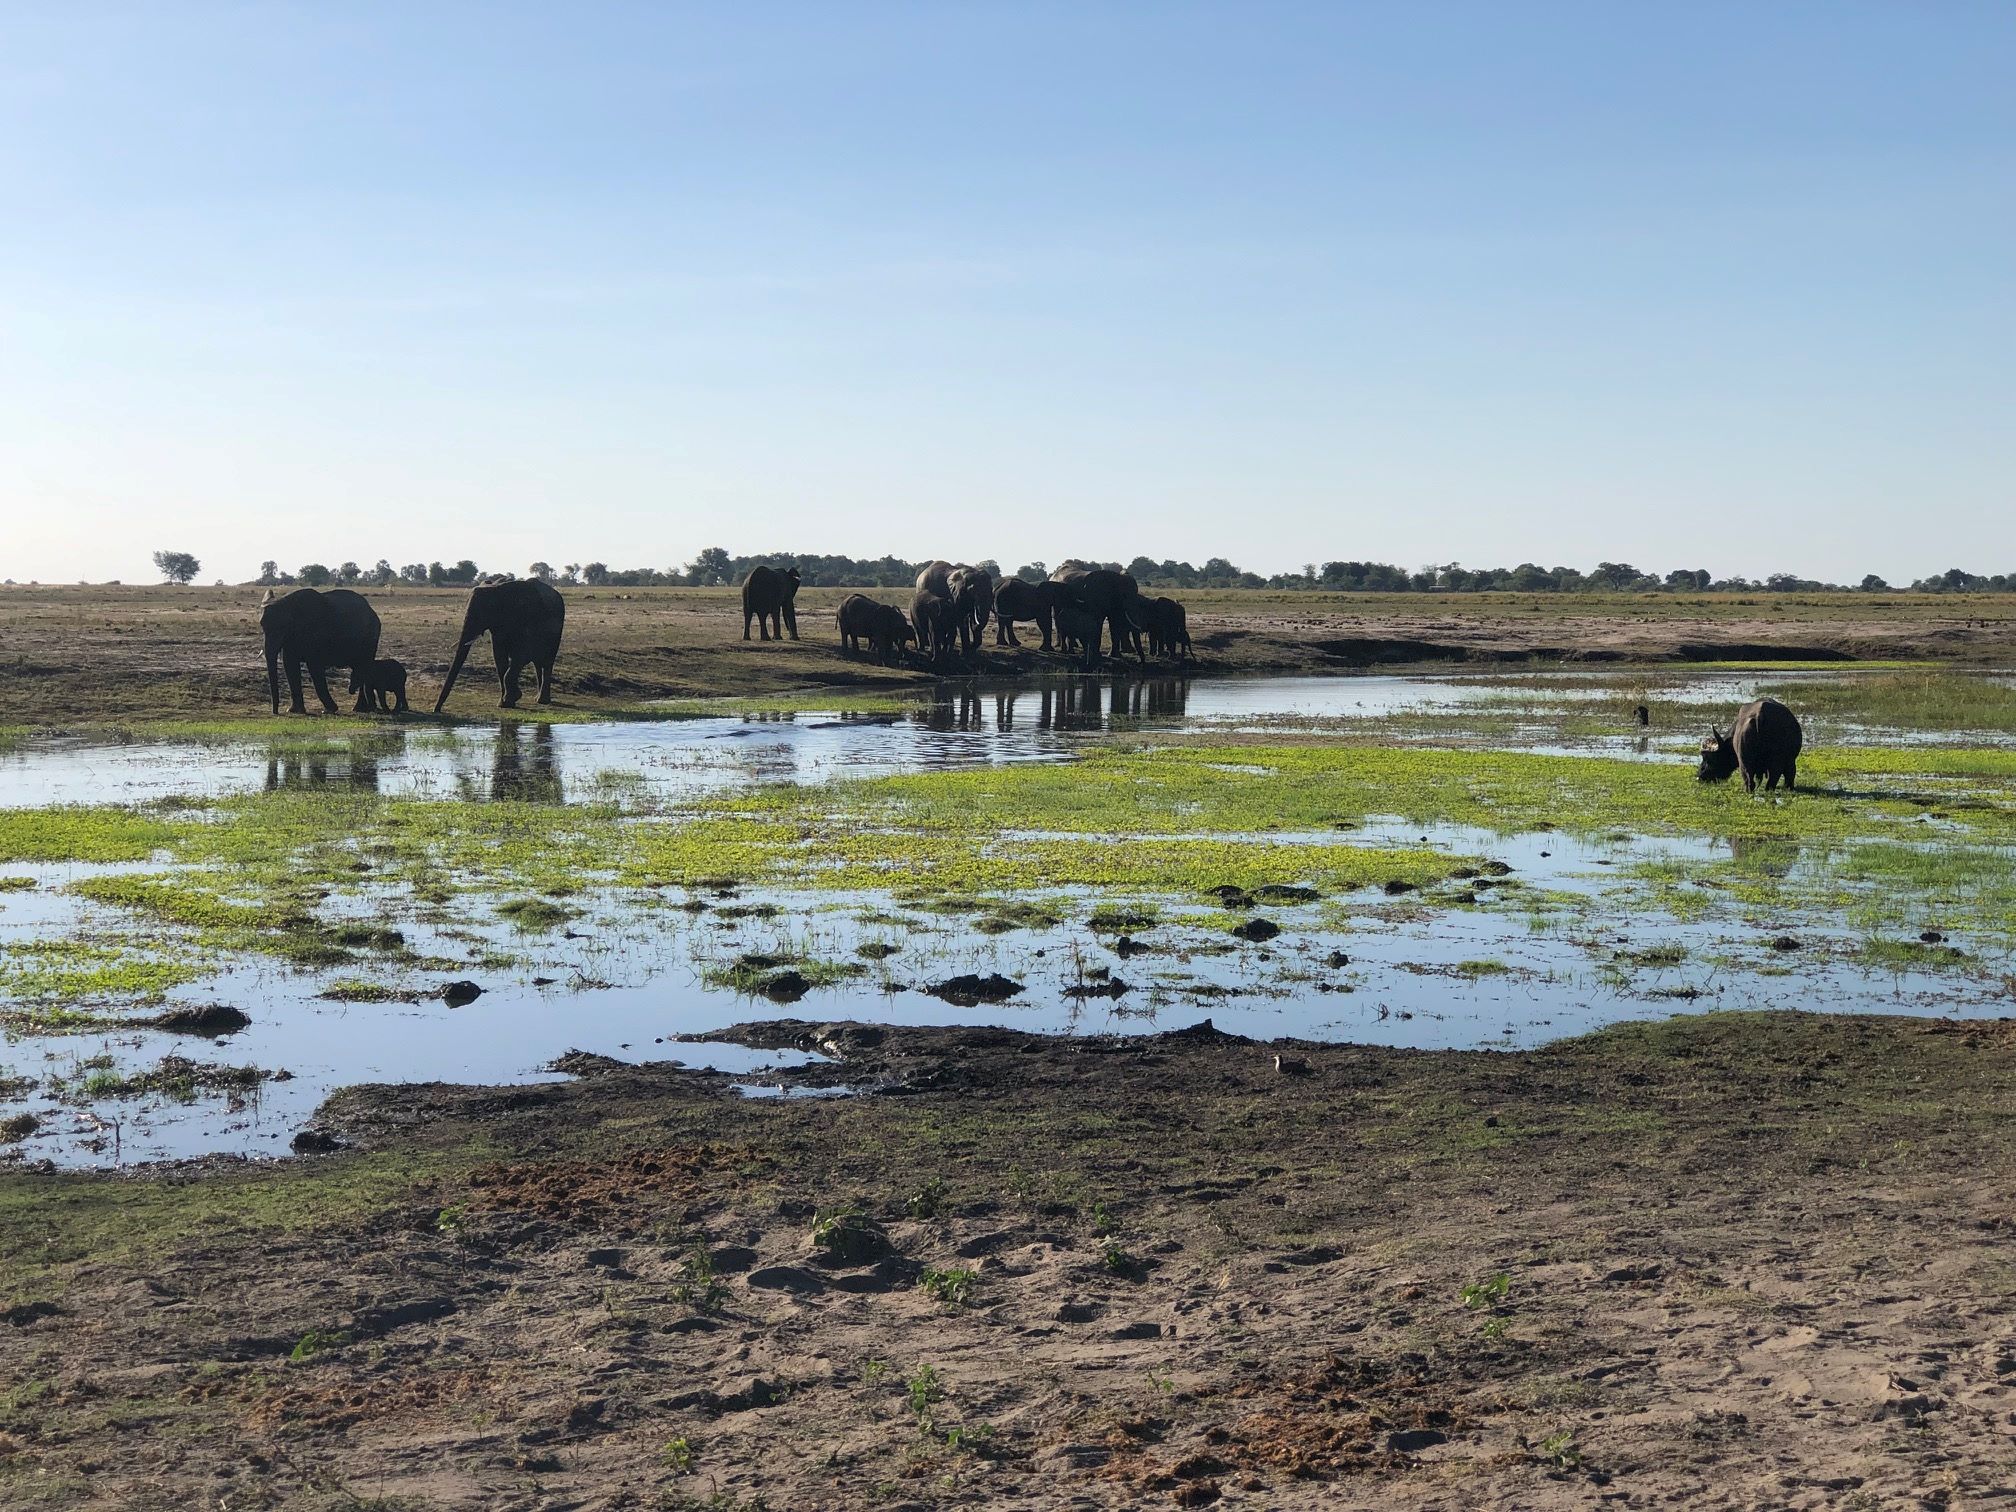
(1075, 609)
(314, 629)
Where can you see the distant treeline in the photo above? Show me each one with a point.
(715, 567)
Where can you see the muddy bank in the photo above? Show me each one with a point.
(78, 652)
(1742, 1261)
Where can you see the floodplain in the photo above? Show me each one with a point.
(928, 1032)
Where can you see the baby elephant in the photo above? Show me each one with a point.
(1763, 744)
(382, 677)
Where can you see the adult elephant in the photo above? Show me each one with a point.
(317, 630)
(1101, 597)
(1016, 601)
(523, 618)
(969, 590)
(770, 597)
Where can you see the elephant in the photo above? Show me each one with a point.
(1167, 627)
(937, 620)
(1101, 597)
(971, 590)
(380, 678)
(523, 618)
(769, 597)
(881, 625)
(1076, 626)
(1763, 743)
(1016, 600)
(318, 630)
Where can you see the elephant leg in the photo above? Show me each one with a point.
(295, 704)
(368, 699)
(546, 681)
(745, 624)
(320, 676)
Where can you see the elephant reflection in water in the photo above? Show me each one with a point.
(320, 769)
(1152, 697)
(1068, 703)
(1087, 703)
(522, 764)
(954, 706)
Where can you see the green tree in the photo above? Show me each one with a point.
(176, 566)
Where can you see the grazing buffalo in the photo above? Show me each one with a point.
(1763, 744)
(769, 597)
(882, 626)
(1029, 602)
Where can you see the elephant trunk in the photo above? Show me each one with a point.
(273, 670)
(472, 627)
(454, 671)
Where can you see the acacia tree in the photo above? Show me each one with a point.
(176, 566)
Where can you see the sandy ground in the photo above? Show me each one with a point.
(1756, 1262)
(82, 652)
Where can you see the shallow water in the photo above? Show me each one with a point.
(626, 979)
(963, 724)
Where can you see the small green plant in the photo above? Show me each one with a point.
(1496, 1328)
(1486, 1294)
(969, 1440)
(847, 1233)
(1560, 1449)
(1102, 1218)
(1115, 1259)
(315, 1341)
(698, 1287)
(872, 1371)
(952, 1287)
(925, 1391)
(927, 1200)
(678, 1456)
(1162, 1385)
(449, 1220)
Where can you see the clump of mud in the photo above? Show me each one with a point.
(213, 1019)
(970, 990)
(1107, 986)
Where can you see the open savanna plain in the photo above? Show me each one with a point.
(78, 653)
(1722, 1219)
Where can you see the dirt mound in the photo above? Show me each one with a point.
(598, 1191)
(213, 1019)
(970, 990)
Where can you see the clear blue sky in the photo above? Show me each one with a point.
(1722, 285)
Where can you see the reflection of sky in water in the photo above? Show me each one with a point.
(625, 981)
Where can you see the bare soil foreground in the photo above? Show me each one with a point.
(1728, 1261)
(79, 652)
